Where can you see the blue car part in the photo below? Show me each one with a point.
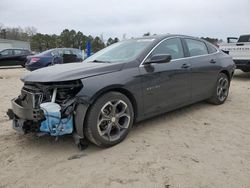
(54, 124)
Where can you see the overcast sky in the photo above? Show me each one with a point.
(213, 18)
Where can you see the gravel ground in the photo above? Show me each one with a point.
(201, 145)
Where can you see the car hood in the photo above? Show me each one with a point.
(70, 71)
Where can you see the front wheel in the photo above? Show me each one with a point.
(109, 120)
(221, 90)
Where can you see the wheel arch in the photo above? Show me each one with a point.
(229, 76)
(121, 90)
(82, 110)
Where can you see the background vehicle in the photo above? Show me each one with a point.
(10, 57)
(53, 56)
(239, 49)
(124, 83)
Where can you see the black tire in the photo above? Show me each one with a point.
(103, 122)
(220, 93)
(23, 65)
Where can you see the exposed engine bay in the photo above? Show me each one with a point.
(46, 107)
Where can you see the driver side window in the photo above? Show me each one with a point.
(172, 47)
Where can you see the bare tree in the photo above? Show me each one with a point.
(31, 31)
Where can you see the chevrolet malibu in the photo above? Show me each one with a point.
(100, 99)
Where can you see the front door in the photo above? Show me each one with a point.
(166, 85)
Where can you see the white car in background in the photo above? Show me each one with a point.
(239, 49)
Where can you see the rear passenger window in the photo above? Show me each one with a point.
(18, 52)
(196, 47)
(211, 48)
(172, 47)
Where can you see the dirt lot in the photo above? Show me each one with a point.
(198, 146)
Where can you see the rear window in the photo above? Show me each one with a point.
(196, 47)
(244, 38)
(211, 48)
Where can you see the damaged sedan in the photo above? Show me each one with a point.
(100, 99)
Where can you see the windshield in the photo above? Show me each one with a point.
(121, 52)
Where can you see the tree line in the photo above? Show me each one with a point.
(67, 38)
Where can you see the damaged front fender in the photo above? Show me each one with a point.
(80, 114)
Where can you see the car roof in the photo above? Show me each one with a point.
(15, 49)
(164, 36)
(64, 49)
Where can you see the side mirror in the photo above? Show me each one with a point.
(159, 58)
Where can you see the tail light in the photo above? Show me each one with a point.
(34, 59)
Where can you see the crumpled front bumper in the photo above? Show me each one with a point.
(24, 112)
(25, 118)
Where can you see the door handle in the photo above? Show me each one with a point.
(185, 66)
(240, 44)
(212, 61)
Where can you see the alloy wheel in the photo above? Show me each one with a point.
(222, 89)
(113, 120)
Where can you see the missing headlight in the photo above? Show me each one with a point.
(65, 90)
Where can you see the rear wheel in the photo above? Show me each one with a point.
(221, 90)
(109, 120)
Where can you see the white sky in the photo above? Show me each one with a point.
(213, 18)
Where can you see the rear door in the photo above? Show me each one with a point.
(205, 68)
(166, 85)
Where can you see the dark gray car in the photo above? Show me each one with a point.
(124, 83)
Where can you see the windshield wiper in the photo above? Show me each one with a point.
(99, 61)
